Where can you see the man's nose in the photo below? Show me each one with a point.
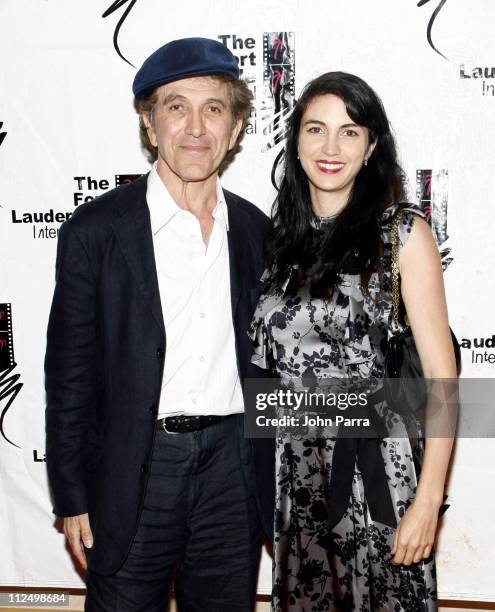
(195, 123)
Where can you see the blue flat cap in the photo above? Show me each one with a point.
(181, 59)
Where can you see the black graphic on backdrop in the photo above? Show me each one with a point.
(111, 9)
(6, 339)
(115, 6)
(124, 179)
(9, 386)
(429, 29)
(432, 194)
(278, 84)
(2, 134)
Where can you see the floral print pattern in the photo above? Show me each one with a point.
(348, 567)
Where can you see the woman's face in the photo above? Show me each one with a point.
(332, 149)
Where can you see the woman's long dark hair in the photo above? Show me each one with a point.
(354, 238)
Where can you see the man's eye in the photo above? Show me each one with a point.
(214, 109)
(175, 107)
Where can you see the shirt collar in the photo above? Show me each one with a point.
(163, 208)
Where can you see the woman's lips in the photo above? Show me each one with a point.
(330, 167)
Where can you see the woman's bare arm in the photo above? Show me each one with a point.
(423, 293)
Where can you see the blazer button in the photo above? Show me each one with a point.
(159, 351)
(144, 468)
(153, 410)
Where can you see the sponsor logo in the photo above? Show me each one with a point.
(88, 187)
(39, 456)
(278, 83)
(484, 75)
(277, 98)
(244, 50)
(9, 385)
(432, 191)
(41, 221)
(124, 179)
(45, 223)
(478, 349)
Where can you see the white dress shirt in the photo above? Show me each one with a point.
(200, 375)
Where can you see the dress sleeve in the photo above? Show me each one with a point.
(409, 213)
(258, 333)
(259, 329)
(405, 227)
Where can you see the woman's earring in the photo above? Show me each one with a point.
(365, 162)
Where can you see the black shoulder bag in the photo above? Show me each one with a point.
(402, 359)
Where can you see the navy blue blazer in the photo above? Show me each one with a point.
(104, 361)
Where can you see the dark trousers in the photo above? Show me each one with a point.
(199, 529)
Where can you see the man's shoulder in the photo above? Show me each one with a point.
(255, 214)
(103, 210)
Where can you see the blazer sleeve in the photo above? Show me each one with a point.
(70, 373)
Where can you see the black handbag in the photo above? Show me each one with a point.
(405, 390)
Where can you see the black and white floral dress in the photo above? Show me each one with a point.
(321, 564)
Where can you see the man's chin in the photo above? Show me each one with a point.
(187, 172)
(196, 175)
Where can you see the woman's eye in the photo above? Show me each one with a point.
(315, 130)
(350, 133)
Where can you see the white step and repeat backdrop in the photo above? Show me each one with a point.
(68, 132)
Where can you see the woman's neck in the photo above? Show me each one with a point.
(328, 204)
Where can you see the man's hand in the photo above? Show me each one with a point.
(78, 532)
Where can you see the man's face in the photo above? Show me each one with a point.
(192, 127)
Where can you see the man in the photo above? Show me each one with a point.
(147, 350)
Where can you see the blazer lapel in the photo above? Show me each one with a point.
(133, 231)
(240, 257)
(236, 260)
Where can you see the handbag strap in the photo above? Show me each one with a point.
(395, 270)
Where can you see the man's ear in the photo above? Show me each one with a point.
(235, 133)
(147, 119)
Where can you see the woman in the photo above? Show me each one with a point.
(365, 543)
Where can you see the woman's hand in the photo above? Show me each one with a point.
(415, 534)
